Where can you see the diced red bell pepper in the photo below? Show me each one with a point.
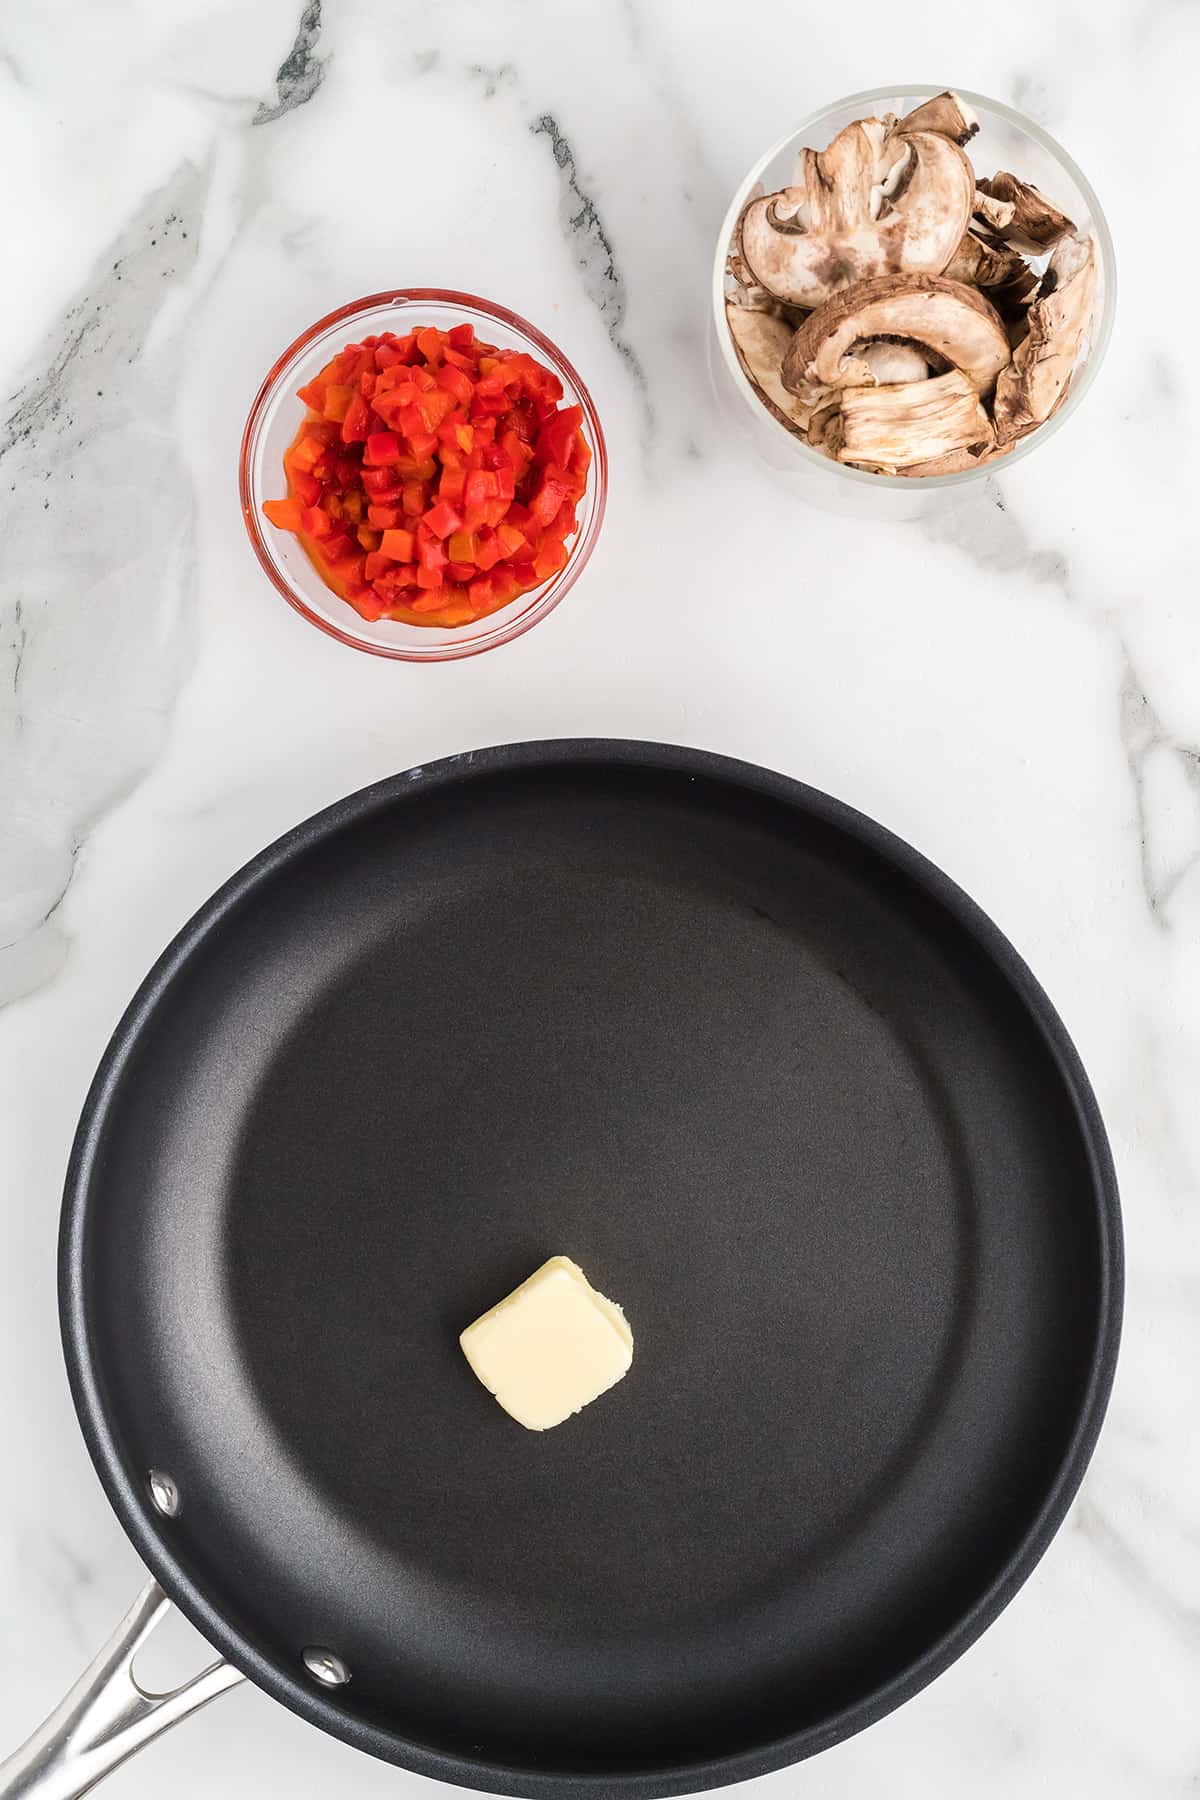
(464, 492)
(430, 554)
(547, 500)
(487, 549)
(306, 488)
(550, 559)
(456, 383)
(556, 439)
(337, 401)
(451, 486)
(429, 343)
(366, 604)
(308, 452)
(338, 547)
(357, 422)
(442, 519)
(285, 514)
(382, 448)
(381, 484)
(316, 522)
(399, 544)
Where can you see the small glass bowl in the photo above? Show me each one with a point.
(1005, 140)
(275, 417)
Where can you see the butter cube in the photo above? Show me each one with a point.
(550, 1347)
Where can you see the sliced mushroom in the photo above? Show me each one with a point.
(825, 431)
(912, 422)
(946, 114)
(992, 216)
(1004, 276)
(1033, 385)
(956, 461)
(761, 341)
(946, 318)
(876, 202)
(1033, 225)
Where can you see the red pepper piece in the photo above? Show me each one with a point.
(337, 402)
(455, 383)
(357, 421)
(383, 447)
(451, 486)
(547, 500)
(556, 439)
(284, 514)
(316, 522)
(487, 549)
(306, 488)
(429, 343)
(442, 519)
(399, 545)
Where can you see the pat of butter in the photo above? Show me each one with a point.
(550, 1347)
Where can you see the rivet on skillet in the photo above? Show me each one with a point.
(164, 1493)
(325, 1667)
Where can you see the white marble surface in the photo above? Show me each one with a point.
(1016, 689)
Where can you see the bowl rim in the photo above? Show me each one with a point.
(1080, 383)
(544, 599)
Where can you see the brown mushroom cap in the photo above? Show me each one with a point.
(1033, 224)
(1036, 381)
(877, 201)
(953, 323)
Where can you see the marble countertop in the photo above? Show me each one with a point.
(1014, 685)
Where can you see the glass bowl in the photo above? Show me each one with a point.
(276, 415)
(1005, 140)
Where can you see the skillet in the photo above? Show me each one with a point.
(778, 1086)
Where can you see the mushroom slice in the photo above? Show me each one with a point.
(825, 429)
(913, 422)
(1043, 362)
(761, 341)
(1007, 279)
(956, 461)
(946, 114)
(1033, 225)
(992, 215)
(945, 319)
(876, 202)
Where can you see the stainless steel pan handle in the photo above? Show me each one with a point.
(107, 1715)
